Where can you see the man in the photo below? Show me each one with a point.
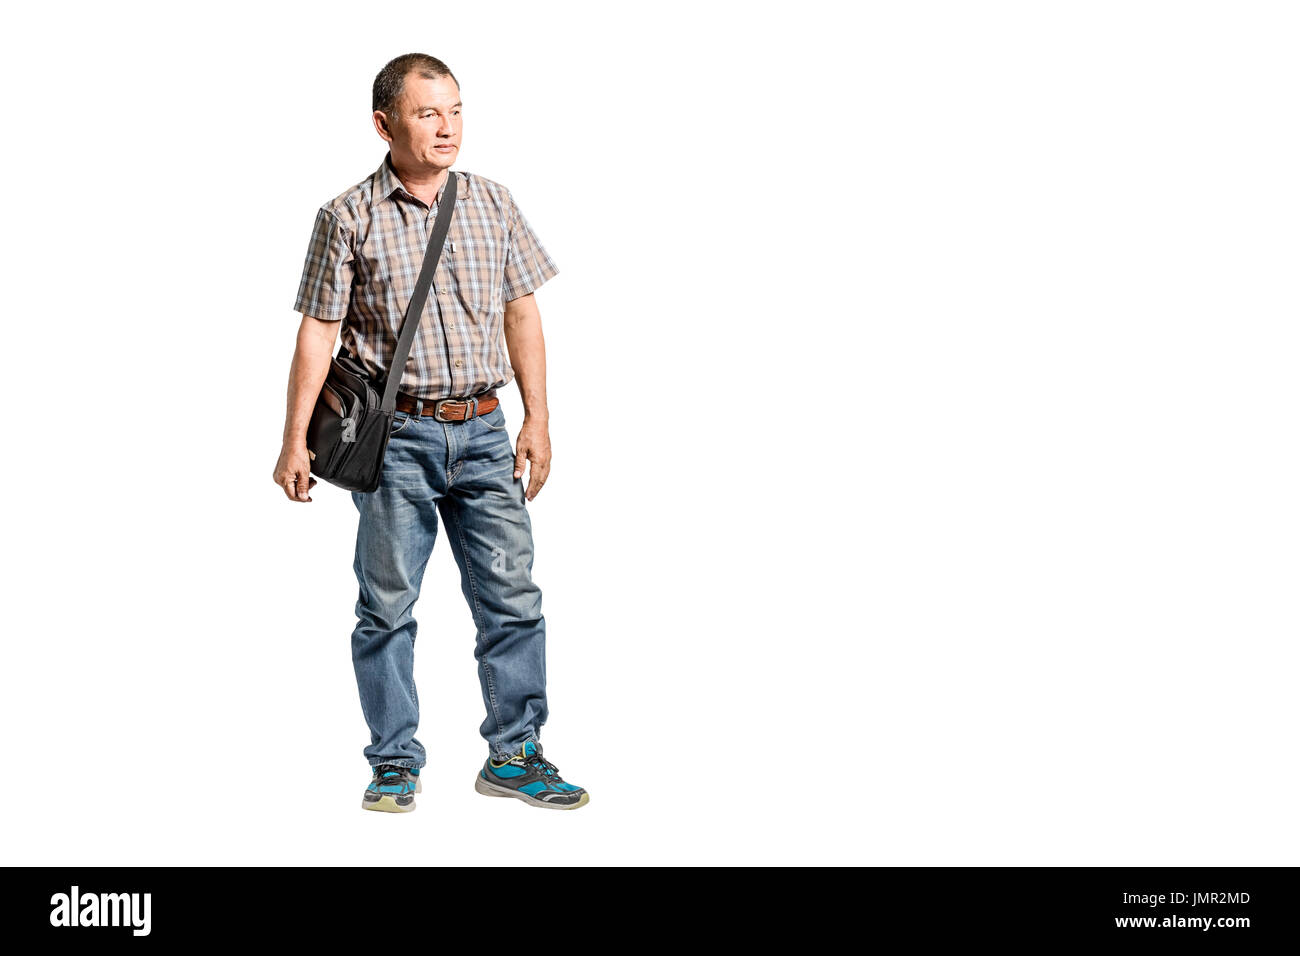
(449, 453)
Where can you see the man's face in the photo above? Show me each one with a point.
(426, 130)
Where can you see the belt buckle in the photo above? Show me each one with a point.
(470, 413)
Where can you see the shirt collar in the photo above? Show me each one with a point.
(386, 182)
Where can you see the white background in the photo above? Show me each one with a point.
(923, 402)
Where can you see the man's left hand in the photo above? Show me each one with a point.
(533, 444)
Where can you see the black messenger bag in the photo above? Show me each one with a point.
(350, 425)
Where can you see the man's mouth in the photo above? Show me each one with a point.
(444, 148)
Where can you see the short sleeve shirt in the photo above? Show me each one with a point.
(366, 249)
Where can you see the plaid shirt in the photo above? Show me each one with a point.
(366, 249)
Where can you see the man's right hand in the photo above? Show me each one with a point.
(293, 472)
(311, 364)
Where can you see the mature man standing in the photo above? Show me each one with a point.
(449, 453)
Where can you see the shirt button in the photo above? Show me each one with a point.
(458, 363)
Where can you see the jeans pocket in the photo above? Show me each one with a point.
(495, 420)
(400, 421)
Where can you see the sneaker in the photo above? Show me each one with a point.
(530, 778)
(393, 789)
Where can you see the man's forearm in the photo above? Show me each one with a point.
(527, 348)
(311, 363)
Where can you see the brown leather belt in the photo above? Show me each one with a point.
(448, 409)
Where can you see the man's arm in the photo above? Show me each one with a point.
(311, 363)
(527, 348)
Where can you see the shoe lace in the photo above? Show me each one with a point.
(547, 769)
(384, 768)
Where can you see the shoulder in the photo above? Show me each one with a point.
(351, 208)
(477, 183)
(488, 194)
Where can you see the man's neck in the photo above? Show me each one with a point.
(423, 186)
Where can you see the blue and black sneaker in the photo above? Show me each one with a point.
(530, 778)
(392, 789)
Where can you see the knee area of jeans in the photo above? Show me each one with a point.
(382, 622)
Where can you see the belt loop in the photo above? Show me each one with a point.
(419, 407)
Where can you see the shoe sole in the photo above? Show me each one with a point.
(387, 804)
(492, 790)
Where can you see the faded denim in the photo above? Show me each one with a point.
(463, 471)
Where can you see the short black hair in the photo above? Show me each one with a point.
(389, 83)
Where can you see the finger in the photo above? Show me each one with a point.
(536, 478)
(521, 455)
(303, 486)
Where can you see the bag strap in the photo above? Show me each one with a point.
(415, 308)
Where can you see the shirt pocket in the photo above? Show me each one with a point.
(476, 270)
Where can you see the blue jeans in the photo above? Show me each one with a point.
(465, 472)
